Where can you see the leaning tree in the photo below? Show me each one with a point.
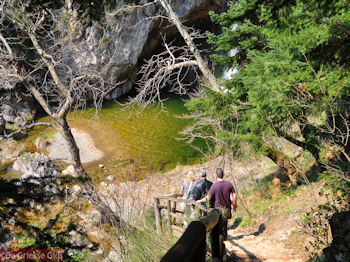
(36, 44)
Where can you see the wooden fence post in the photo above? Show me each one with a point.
(157, 215)
(168, 214)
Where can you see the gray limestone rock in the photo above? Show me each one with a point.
(35, 165)
(115, 49)
(17, 109)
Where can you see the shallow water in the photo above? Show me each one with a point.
(142, 140)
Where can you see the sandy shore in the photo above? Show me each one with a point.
(88, 151)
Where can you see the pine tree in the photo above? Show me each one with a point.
(293, 63)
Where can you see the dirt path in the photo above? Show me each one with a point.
(258, 247)
(278, 234)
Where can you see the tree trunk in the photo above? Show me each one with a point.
(203, 67)
(311, 148)
(286, 163)
(97, 200)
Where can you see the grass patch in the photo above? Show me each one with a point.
(247, 222)
(146, 245)
(260, 202)
(49, 135)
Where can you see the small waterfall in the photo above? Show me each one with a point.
(230, 72)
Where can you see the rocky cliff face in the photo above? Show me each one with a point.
(113, 46)
(116, 48)
(17, 108)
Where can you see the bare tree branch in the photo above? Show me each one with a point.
(4, 41)
(30, 126)
(208, 75)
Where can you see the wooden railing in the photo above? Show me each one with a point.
(169, 203)
(192, 244)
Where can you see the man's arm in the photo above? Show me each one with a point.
(233, 197)
(182, 190)
(204, 199)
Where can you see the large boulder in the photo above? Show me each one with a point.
(35, 165)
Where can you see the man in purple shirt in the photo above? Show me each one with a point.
(225, 197)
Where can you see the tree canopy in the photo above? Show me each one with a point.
(293, 63)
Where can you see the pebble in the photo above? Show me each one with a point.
(76, 189)
(110, 178)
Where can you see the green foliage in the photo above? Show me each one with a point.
(316, 223)
(223, 131)
(262, 202)
(147, 245)
(24, 240)
(48, 135)
(42, 237)
(80, 257)
(247, 222)
(293, 63)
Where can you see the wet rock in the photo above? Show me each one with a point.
(88, 152)
(35, 165)
(5, 237)
(42, 143)
(10, 151)
(70, 171)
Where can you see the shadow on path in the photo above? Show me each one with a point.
(261, 229)
(251, 256)
(234, 257)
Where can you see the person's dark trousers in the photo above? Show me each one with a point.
(226, 214)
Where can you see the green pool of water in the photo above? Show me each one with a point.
(146, 138)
